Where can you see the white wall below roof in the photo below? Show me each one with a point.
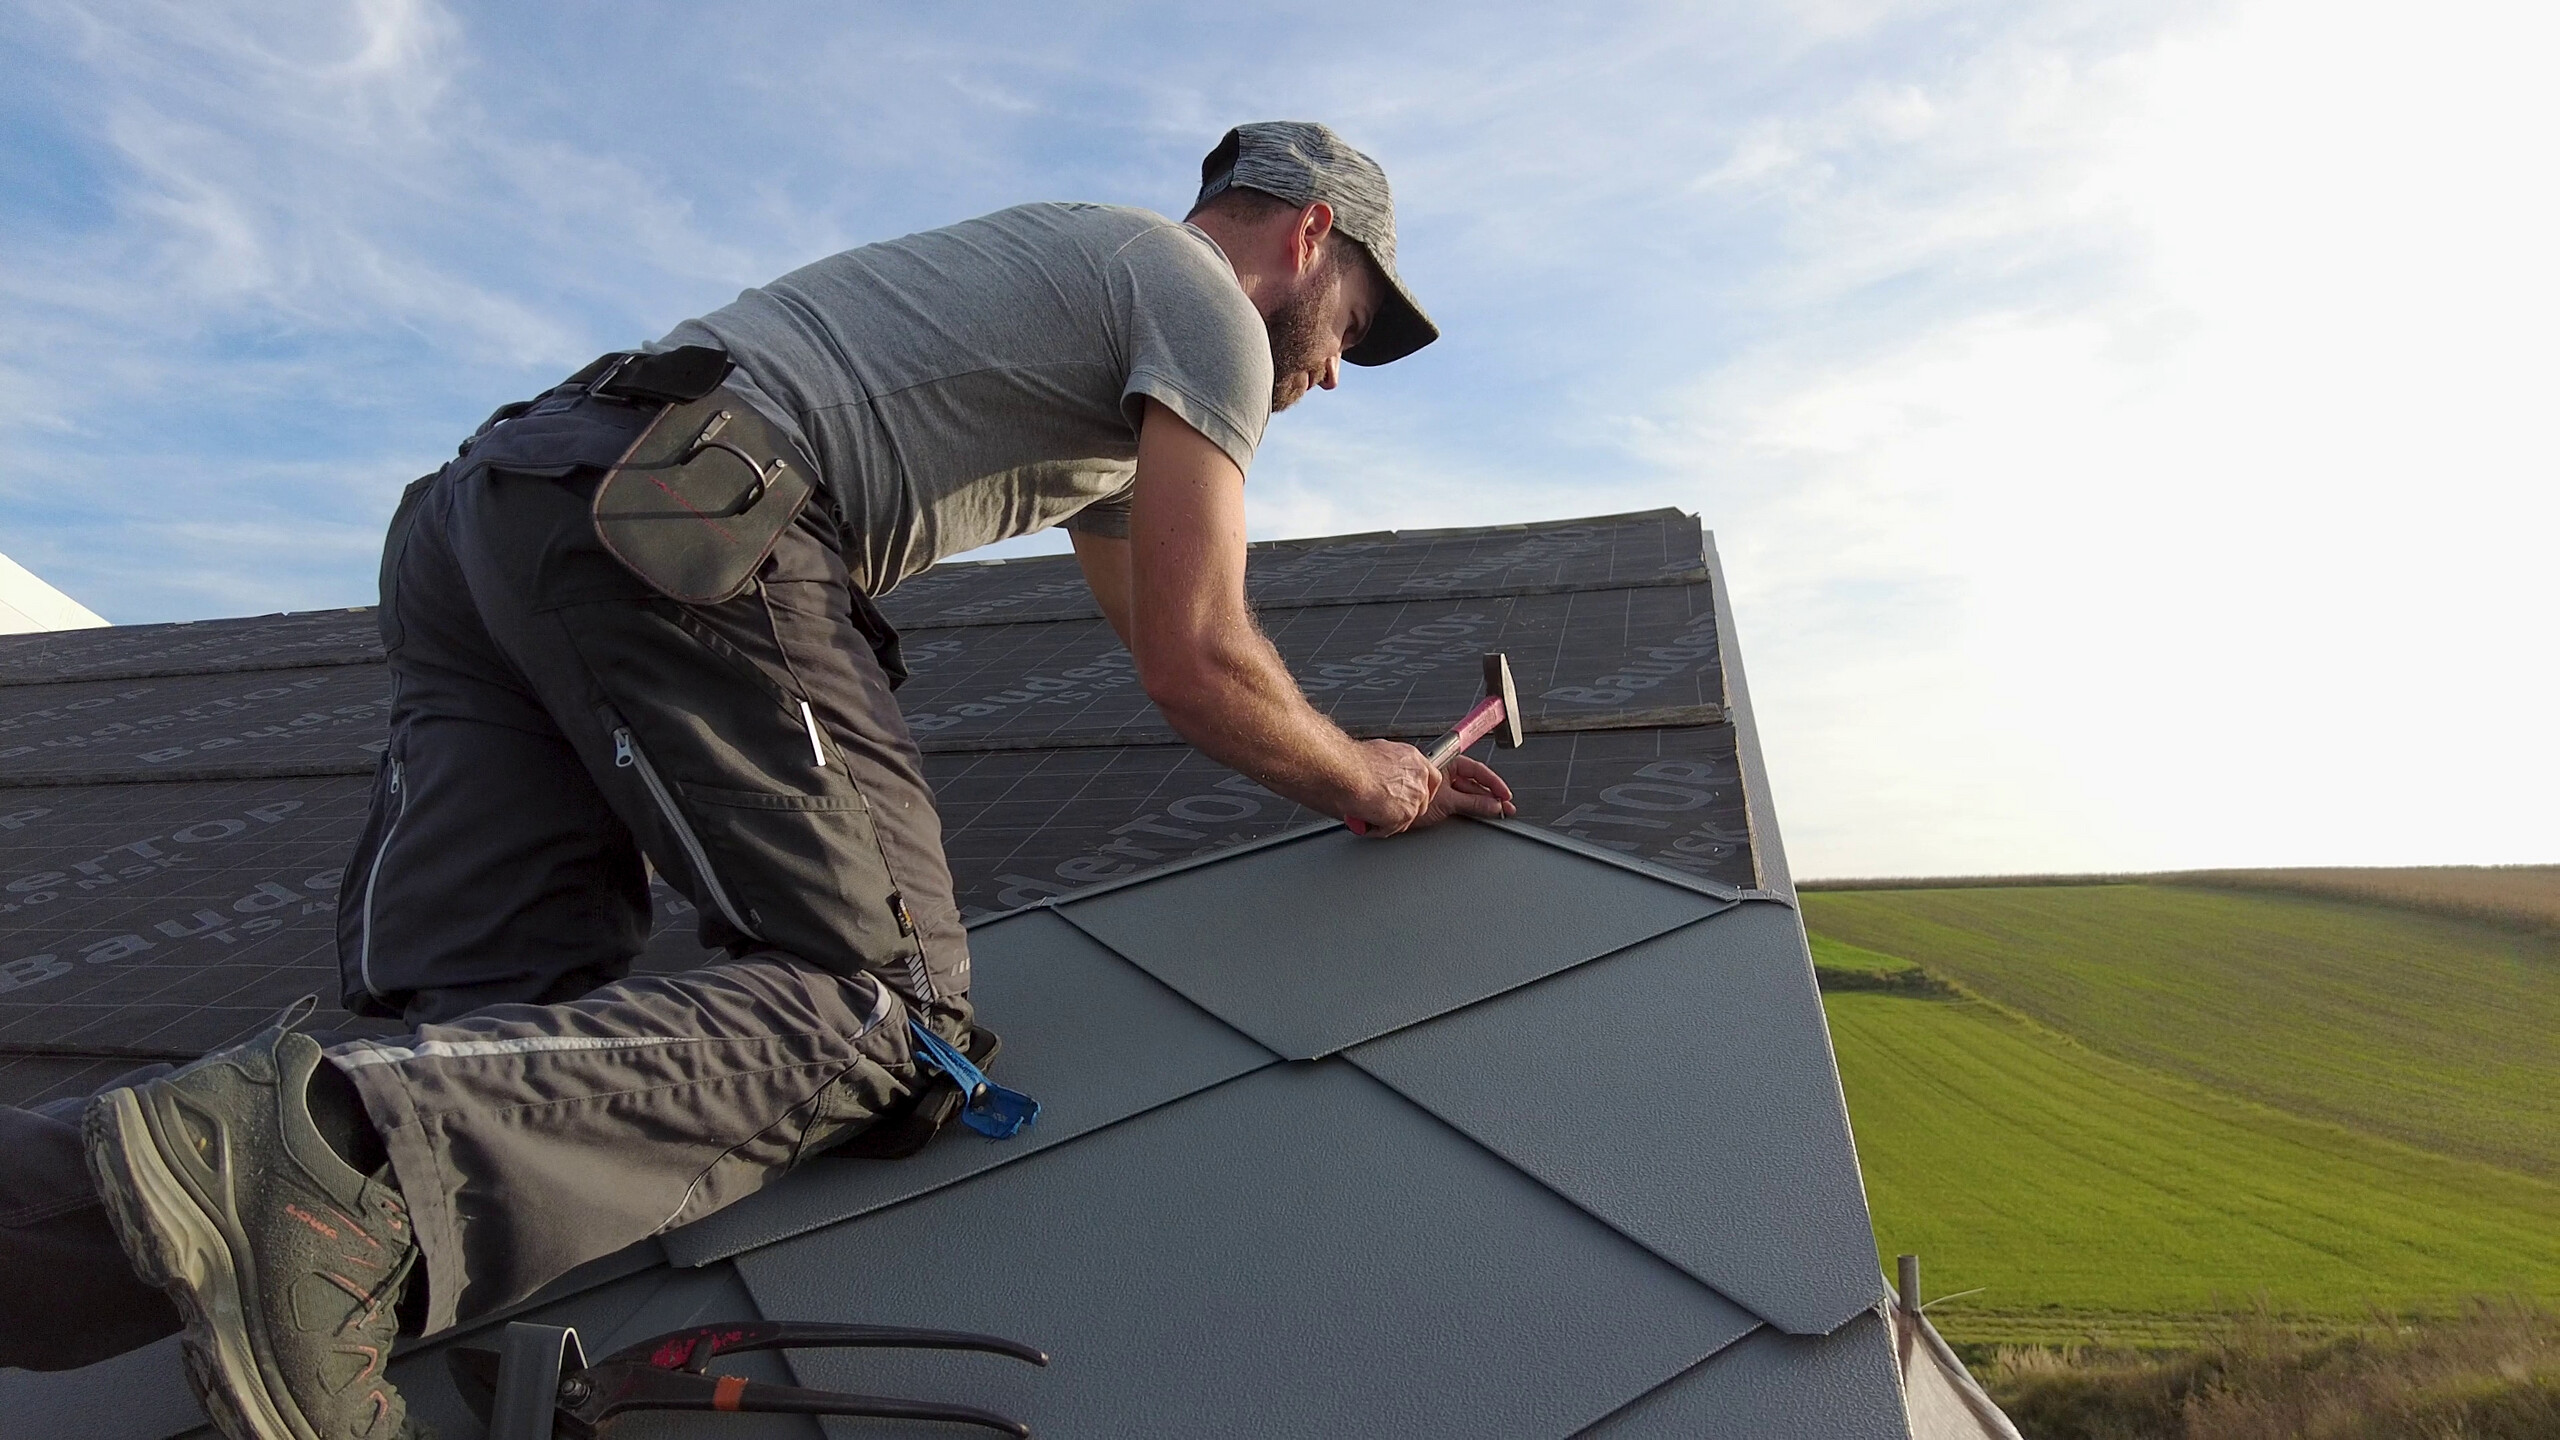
(27, 603)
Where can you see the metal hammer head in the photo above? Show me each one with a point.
(1497, 683)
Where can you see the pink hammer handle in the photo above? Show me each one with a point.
(1478, 723)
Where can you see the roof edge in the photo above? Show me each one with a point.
(1768, 851)
(1445, 533)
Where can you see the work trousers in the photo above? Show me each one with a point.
(554, 721)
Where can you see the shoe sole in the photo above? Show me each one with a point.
(177, 1244)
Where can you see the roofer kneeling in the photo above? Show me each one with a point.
(633, 619)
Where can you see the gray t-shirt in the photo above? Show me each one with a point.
(963, 385)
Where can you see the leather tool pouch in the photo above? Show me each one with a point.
(698, 501)
(902, 1132)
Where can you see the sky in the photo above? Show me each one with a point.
(2124, 426)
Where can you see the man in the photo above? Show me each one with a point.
(596, 658)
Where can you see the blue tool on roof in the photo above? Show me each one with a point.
(992, 1110)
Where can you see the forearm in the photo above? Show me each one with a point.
(1204, 662)
(1234, 699)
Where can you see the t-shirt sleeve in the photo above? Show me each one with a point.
(1107, 517)
(1195, 343)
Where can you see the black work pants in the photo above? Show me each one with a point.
(553, 722)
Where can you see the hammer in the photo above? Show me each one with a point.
(1497, 714)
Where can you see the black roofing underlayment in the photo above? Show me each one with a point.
(175, 800)
(1518, 1129)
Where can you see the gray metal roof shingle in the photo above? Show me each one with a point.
(1299, 1252)
(1684, 1092)
(1330, 940)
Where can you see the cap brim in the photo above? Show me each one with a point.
(1397, 330)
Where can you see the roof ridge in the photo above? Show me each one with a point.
(1450, 532)
(1696, 576)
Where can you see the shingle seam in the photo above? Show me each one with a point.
(1427, 1113)
(49, 1050)
(191, 774)
(1462, 1008)
(1613, 1225)
(1670, 717)
(1515, 826)
(173, 672)
(1543, 1183)
(1348, 1045)
(1701, 1363)
(726, 1253)
(1647, 868)
(1596, 1218)
(1213, 1017)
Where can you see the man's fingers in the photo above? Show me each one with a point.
(1476, 777)
(1466, 787)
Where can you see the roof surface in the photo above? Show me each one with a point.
(175, 800)
(1504, 1129)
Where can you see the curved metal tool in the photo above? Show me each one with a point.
(668, 1372)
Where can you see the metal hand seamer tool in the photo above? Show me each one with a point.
(1497, 714)
(539, 1386)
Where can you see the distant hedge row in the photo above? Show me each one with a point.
(2521, 896)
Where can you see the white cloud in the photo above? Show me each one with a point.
(2228, 551)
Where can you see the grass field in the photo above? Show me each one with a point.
(2093, 1200)
(2435, 1032)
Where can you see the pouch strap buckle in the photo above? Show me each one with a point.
(991, 1109)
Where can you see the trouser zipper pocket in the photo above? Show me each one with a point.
(627, 755)
(398, 803)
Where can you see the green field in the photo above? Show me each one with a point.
(2433, 1031)
(2169, 1104)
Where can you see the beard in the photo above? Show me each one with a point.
(1297, 330)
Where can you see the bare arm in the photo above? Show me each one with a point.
(1178, 601)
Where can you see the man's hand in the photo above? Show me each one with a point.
(1406, 793)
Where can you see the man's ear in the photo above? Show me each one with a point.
(1306, 245)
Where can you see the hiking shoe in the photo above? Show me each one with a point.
(285, 1262)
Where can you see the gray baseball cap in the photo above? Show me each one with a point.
(1302, 162)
